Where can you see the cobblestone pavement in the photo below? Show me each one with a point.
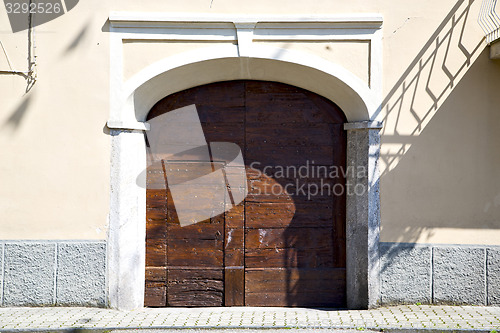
(398, 317)
(241, 330)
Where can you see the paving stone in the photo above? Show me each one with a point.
(393, 317)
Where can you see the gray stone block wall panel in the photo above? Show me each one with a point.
(1, 273)
(405, 273)
(493, 276)
(81, 274)
(459, 275)
(29, 270)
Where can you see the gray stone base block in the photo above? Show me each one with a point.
(1, 272)
(81, 274)
(459, 275)
(439, 274)
(405, 273)
(493, 278)
(29, 272)
(38, 273)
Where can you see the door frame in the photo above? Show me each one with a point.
(131, 100)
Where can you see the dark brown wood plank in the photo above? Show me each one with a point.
(195, 287)
(267, 189)
(282, 215)
(286, 155)
(301, 105)
(234, 239)
(234, 257)
(195, 245)
(155, 215)
(295, 280)
(156, 199)
(295, 287)
(156, 252)
(158, 274)
(195, 257)
(155, 177)
(290, 257)
(201, 230)
(290, 134)
(225, 132)
(155, 294)
(220, 97)
(235, 217)
(291, 238)
(299, 190)
(181, 172)
(203, 195)
(234, 282)
(156, 226)
(222, 114)
(339, 237)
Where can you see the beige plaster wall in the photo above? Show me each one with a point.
(54, 173)
(440, 181)
(352, 55)
(138, 54)
(446, 186)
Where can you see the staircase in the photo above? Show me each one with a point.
(489, 20)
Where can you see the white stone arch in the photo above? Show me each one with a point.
(214, 64)
(132, 100)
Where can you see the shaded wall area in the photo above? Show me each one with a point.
(446, 187)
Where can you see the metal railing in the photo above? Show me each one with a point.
(489, 20)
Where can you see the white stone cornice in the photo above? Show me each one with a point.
(135, 19)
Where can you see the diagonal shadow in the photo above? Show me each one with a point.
(429, 80)
(19, 113)
(78, 39)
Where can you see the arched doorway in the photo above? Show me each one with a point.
(285, 244)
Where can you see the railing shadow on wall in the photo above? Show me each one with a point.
(429, 78)
(423, 88)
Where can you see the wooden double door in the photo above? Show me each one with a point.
(284, 245)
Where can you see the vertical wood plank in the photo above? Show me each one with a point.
(234, 286)
(234, 271)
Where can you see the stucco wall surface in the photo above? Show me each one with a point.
(439, 160)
